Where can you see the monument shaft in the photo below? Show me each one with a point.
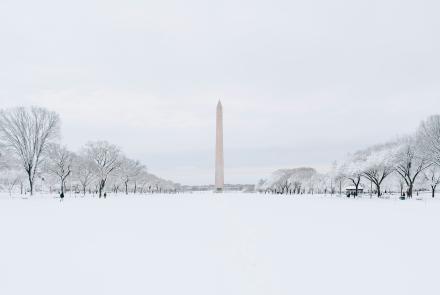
(219, 160)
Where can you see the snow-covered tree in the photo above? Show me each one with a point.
(27, 132)
(288, 181)
(318, 183)
(352, 171)
(339, 177)
(51, 182)
(150, 183)
(137, 178)
(410, 161)
(428, 136)
(432, 177)
(300, 177)
(106, 159)
(143, 182)
(260, 186)
(59, 163)
(11, 173)
(85, 171)
(129, 171)
(284, 182)
(332, 177)
(376, 164)
(3, 160)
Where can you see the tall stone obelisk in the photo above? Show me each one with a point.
(219, 160)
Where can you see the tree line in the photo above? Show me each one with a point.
(404, 164)
(30, 153)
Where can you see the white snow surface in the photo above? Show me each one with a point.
(210, 243)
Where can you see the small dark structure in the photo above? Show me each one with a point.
(351, 190)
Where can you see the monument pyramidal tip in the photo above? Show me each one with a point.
(219, 158)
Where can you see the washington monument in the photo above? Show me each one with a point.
(219, 160)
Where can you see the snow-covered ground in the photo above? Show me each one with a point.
(219, 244)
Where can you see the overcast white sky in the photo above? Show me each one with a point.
(302, 82)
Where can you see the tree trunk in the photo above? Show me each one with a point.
(31, 183)
(62, 186)
(378, 190)
(101, 187)
(410, 191)
(433, 190)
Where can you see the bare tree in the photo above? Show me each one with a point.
(27, 132)
(288, 181)
(410, 162)
(143, 180)
(115, 185)
(339, 177)
(129, 170)
(376, 164)
(10, 171)
(281, 183)
(84, 172)
(106, 158)
(432, 176)
(429, 137)
(138, 176)
(352, 171)
(260, 186)
(333, 176)
(59, 163)
(4, 161)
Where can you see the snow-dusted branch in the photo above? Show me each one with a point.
(28, 132)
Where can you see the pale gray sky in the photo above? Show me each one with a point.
(302, 82)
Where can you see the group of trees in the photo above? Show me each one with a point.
(30, 153)
(295, 181)
(406, 163)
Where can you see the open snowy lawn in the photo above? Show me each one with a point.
(219, 244)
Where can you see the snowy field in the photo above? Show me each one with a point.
(219, 244)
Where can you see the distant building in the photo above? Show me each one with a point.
(246, 188)
(352, 190)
